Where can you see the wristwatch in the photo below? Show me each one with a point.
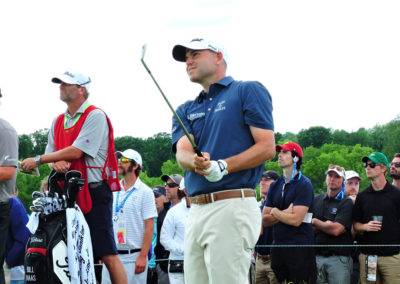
(37, 160)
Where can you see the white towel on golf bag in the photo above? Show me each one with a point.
(80, 253)
(33, 222)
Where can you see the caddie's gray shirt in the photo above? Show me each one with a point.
(8, 158)
(92, 139)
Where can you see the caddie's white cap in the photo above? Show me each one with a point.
(352, 174)
(182, 184)
(179, 50)
(73, 78)
(130, 154)
(337, 169)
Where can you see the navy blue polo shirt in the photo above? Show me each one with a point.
(299, 192)
(220, 123)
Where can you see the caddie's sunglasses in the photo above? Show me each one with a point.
(339, 168)
(124, 160)
(396, 164)
(371, 165)
(172, 184)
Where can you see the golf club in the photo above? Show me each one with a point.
(196, 150)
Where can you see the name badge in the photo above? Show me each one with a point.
(121, 232)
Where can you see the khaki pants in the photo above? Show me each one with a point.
(388, 270)
(219, 238)
(264, 272)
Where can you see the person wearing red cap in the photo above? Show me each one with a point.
(288, 208)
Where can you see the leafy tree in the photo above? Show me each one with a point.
(314, 136)
(361, 136)
(39, 139)
(25, 146)
(340, 137)
(377, 138)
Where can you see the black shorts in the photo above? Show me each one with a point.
(100, 222)
(295, 264)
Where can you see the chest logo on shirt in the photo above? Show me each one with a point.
(194, 116)
(220, 106)
(334, 211)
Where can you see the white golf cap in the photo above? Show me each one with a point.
(179, 50)
(182, 184)
(73, 78)
(337, 169)
(130, 154)
(352, 174)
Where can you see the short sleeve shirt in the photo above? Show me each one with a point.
(219, 122)
(300, 192)
(8, 158)
(92, 140)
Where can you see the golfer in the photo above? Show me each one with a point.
(231, 122)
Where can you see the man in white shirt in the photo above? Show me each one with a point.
(173, 235)
(134, 211)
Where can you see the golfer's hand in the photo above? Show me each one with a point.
(202, 163)
(216, 171)
(140, 264)
(28, 164)
(61, 166)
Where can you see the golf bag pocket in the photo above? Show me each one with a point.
(35, 259)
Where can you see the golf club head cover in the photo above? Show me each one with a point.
(74, 184)
(217, 170)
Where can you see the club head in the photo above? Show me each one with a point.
(143, 51)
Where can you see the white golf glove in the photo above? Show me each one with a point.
(217, 170)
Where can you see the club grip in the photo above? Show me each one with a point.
(198, 152)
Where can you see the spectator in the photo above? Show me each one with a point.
(18, 235)
(332, 226)
(162, 205)
(395, 170)
(376, 217)
(173, 235)
(351, 190)
(352, 186)
(264, 273)
(8, 175)
(134, 213)
(288, 208)
(172, 182)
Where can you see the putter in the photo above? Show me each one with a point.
(196, 150)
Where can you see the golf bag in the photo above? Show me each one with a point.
(46, 259)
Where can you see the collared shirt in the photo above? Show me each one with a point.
(8, 158)
(139, 206)
(220, 123)
(173, 230)
(92, 139)
(386, 203)
(334, 210)
(299, 192)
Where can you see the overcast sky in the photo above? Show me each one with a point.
(326, 63)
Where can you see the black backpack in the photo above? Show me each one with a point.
(46, 258)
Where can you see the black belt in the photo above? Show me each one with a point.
(128, 251)
(93, 185)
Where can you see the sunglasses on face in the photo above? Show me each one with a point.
(172, 184)
(124, 160)
(371, 165)
(396, 164)
(339, 168)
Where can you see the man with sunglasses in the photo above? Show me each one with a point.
(332, 226)
(134, 211)
(288, 209)
(231, 122)
(395, 170)
(82, 139)
(375, 219)
(172, 182)
(8, 175)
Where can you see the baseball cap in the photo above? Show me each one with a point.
(130, 154)
(179, 50)
(73, 78)
(377, 157)
(337, 169)
(270, 175)
(160, 190)
(290, 146)
(176, 178)
(352, 174)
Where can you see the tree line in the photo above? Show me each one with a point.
(322, 146)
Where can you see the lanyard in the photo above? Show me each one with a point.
(118, 208)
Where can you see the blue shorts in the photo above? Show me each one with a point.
(100, 222)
